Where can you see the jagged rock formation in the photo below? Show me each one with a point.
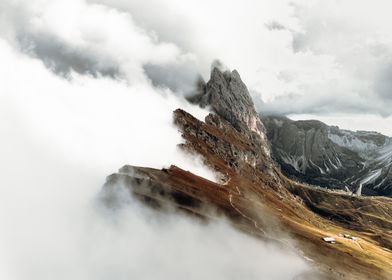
(316, 153)
(256, 197)
(229, 97)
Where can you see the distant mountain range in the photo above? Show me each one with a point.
(323, 155)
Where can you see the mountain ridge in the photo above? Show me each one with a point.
(257, 199)
(316, 153)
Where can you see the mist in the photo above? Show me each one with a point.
(56, 227)
(61, 135)
(296, 57)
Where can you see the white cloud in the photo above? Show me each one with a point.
(356, 38)
(326, 57)
(84, 117)
(86, 38)
(233, 32)
(57, 229)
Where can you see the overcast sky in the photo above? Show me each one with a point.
(319, 58)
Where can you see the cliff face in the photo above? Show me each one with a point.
(228, 97)
(315, 153)
(253, 194)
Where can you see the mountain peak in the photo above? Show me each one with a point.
(227, 95)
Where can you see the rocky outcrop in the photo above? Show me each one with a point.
(228, 97)
(318, 154)
(237, 152)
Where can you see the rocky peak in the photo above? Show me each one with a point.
(227, 95)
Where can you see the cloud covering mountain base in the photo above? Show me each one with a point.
(60, 136)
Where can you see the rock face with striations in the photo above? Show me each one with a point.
(316, 153)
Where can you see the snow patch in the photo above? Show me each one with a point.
(372, 176)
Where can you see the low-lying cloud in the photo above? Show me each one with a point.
(56, 227)
(60, 137)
